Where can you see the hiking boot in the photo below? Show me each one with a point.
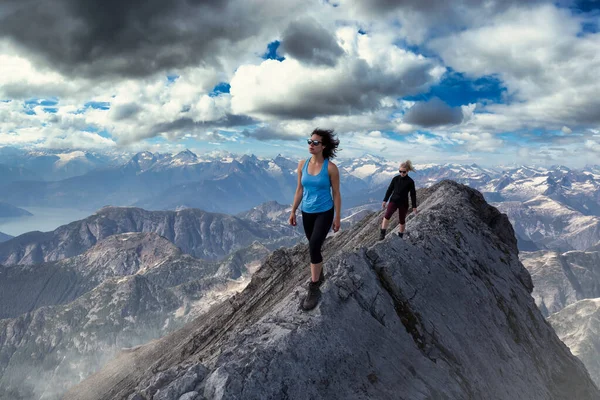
(381, 234)
(401, 234)
(312, 297)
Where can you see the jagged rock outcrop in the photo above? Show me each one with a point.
(199, 233)
(578, 325)
(445, 314)
(562, 279)
(69, 317)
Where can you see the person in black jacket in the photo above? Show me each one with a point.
(401, 186)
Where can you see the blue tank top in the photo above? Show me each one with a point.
(316, 195)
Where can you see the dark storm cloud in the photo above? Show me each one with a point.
(125, 111)
(126, 37)
(307, 41)
(433, 113)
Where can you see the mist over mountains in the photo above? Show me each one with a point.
(551, 208)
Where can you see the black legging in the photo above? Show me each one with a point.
(316, 227)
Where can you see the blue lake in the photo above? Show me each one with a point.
(44, 219)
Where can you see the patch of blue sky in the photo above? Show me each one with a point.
(585, 6)
(403, 44)
(271, 53)
(47, 105)
(51, 101)
(512, 138)
(172, 78)
(588, 28)
(157, 140)
(105, 134)
(91, 129)
(456, 89)
(221, 87)
(98, 105)
(362, 32)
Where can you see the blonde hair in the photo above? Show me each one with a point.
(408, 165)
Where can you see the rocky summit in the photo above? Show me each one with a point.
(445, 313)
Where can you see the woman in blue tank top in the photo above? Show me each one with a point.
(319, 191)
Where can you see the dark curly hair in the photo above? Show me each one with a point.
(329, 141)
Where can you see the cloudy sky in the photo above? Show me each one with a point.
(491, 82)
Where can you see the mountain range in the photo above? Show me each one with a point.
(52, 164)
(201, 234)
(553, 208)
(60, 321)
(446, 313)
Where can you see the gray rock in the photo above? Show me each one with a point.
(190, 396)
(179, 386)
(578, 325)
(77, 313)
(562, 279)
(447, 313)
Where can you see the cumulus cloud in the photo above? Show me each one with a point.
(420, 20)
(553, 85)
(433, 113)
(593, 145)
(485, 141)
(370, 72)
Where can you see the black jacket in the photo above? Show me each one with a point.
(401, 186)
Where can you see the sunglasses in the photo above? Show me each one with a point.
(314, 142)
(402, 172)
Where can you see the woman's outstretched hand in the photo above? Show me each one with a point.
(336, 224)
(292, 219)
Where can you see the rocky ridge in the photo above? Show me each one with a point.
(198, 233)
(63, 320)
(447, 313)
